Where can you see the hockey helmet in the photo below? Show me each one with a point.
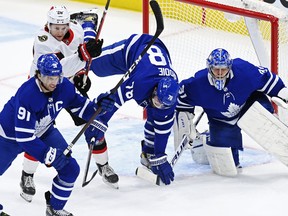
(49, 65)
(167, 92)
(58, 15)
(219, 64)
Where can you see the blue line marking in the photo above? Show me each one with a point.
(11, 30)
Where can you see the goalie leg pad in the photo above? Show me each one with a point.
(266, 130)
(197, 151)
(221, 160)
(183, 124)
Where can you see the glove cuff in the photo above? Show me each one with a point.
(156, 161)
(83, 53)
(99, 125)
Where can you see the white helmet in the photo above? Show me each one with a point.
(58, 15)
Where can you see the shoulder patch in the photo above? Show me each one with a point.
(42, 38)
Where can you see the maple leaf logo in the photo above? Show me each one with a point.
(42, 124)
(233, 110)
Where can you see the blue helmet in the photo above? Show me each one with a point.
(167, 91)
(49, 65)
(219, 59)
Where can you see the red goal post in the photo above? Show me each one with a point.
(250, 29)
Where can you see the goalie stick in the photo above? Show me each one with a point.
(88, 64)
(147, 174)
(160, 26)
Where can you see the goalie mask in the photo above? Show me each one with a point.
(165, 95)
(49, 71)
(219, 64)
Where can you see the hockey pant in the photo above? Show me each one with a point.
(226, 135)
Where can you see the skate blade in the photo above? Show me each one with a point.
(113, 185)
(26, 197)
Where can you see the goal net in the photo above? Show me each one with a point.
(250, 29)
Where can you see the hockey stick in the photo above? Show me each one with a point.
(160, 26)
(88, 65)
(148, 175)
(85, 182)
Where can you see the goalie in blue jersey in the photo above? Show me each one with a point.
(26, 124)
(153, 84)
(225, 90)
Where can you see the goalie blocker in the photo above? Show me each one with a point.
(266, 130)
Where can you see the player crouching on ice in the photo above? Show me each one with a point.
(26, 124)
(225, 90)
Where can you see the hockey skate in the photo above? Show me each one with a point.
(28, 187)
(52, 212)
(109, 177)
(85, 15)
(144, 159)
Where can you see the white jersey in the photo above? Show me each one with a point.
(66, 49)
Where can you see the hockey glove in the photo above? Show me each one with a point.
(82, 87)
(161, 167)
(95, 131)
(89, 50)
(282, 98)
(106, 101)
(55, 157)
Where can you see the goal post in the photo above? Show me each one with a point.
(250, 29)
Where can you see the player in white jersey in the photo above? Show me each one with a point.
(225, 90)
(74, 45)
(26, 124)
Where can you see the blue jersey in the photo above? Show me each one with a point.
(155, 65)
(225, 105)
(31, 112)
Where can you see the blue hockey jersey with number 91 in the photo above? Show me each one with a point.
(155, 65)
(31, 112)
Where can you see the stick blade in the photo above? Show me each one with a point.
(85, 182)
(146, 174)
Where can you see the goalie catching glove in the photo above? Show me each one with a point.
(282, 98)
(161, 167)
(91, 49)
